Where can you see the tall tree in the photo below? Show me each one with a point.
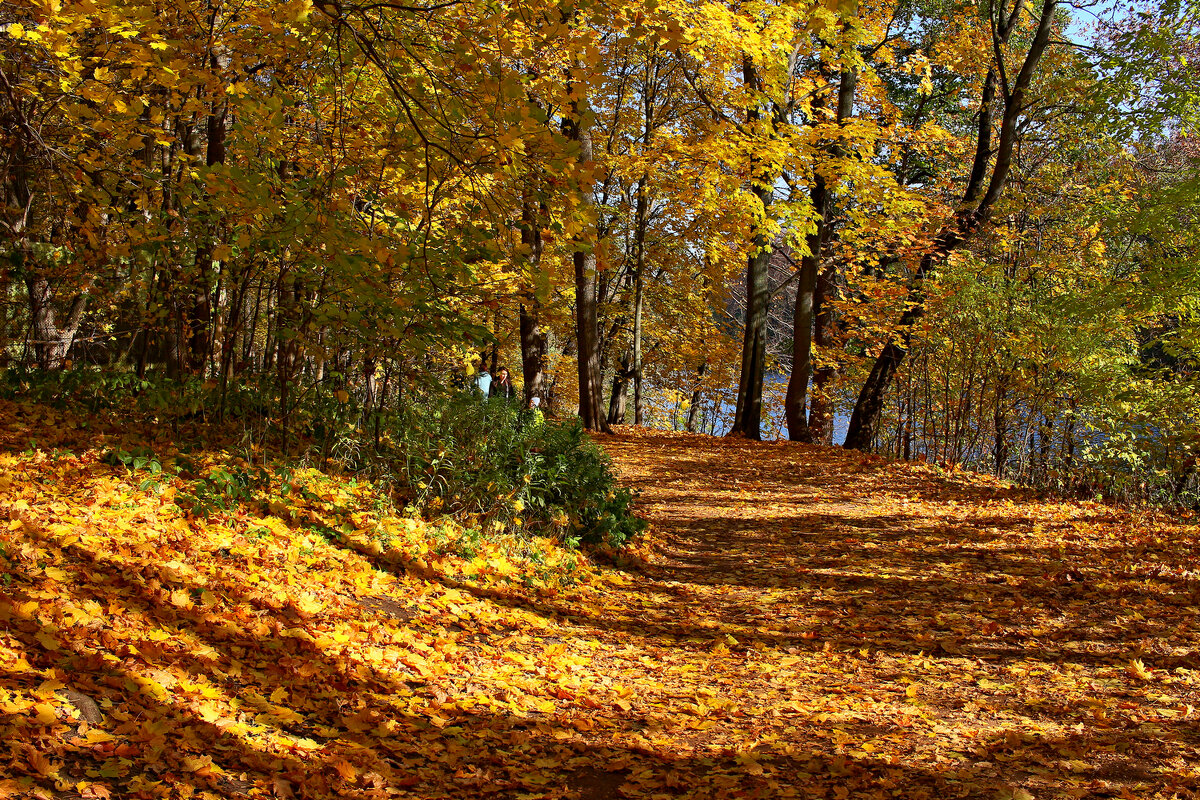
(1000, 87)
(747, 419)
(577, 127)
(796, 400)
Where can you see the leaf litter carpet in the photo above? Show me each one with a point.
(800, 622)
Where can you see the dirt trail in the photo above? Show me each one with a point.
(864, 626)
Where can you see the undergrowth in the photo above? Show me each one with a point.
(476, 471)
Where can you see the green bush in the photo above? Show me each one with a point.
(510, 469)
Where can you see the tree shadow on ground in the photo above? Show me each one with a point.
(353, 728)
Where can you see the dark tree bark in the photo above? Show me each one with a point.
(288, 347)
(533, 336)
(617, 400)
(865, 419)
(748, 415)
(639, 285)
(693, 416)
(587, 331)
(796, 401)
(588, 361)
(202, 316)
(747, 420)
(494, 363)
(825, 372)
(51, 342)
(533, 351)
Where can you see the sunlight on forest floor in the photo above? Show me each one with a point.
(800, 622)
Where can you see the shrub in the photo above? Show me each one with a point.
(509, 470)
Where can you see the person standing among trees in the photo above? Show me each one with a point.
(483, 381)
(502, 385)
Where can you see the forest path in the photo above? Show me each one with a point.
(860, 627)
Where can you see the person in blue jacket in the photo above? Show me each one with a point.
(483, 382)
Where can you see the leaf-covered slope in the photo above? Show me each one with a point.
(800, 623)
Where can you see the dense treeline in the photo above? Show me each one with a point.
(968, 227)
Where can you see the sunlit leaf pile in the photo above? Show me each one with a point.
(799, 622)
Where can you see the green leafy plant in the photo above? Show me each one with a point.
(508, 471)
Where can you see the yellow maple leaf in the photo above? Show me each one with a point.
(45, 713)
(1138, 670)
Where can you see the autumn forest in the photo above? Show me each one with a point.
(960, 232)
(599, 399)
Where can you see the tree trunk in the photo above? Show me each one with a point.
(825, 370)
(201, 315)
(533, 351)
(641, 223)
(288, 350)
(694, 409)
(616, 401)
(641, 216)
(587, 329)
(588, 361)
(796, 401)
(747, 420)
(1000, 428)
(533, 337)
(51, 343)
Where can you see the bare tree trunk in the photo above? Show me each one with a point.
(370, 394)
(288, 350)
(51, 342)
(616, 400)
(533, 337)
(748, 415)
(825, 371)
(641, 223)
(533, 351)
(587, 332)
(694, 408)
(747, 420)
(639, 284)
(796, 401)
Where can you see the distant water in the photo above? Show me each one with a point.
(773, 425)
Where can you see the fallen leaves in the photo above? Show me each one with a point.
(319, 648)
